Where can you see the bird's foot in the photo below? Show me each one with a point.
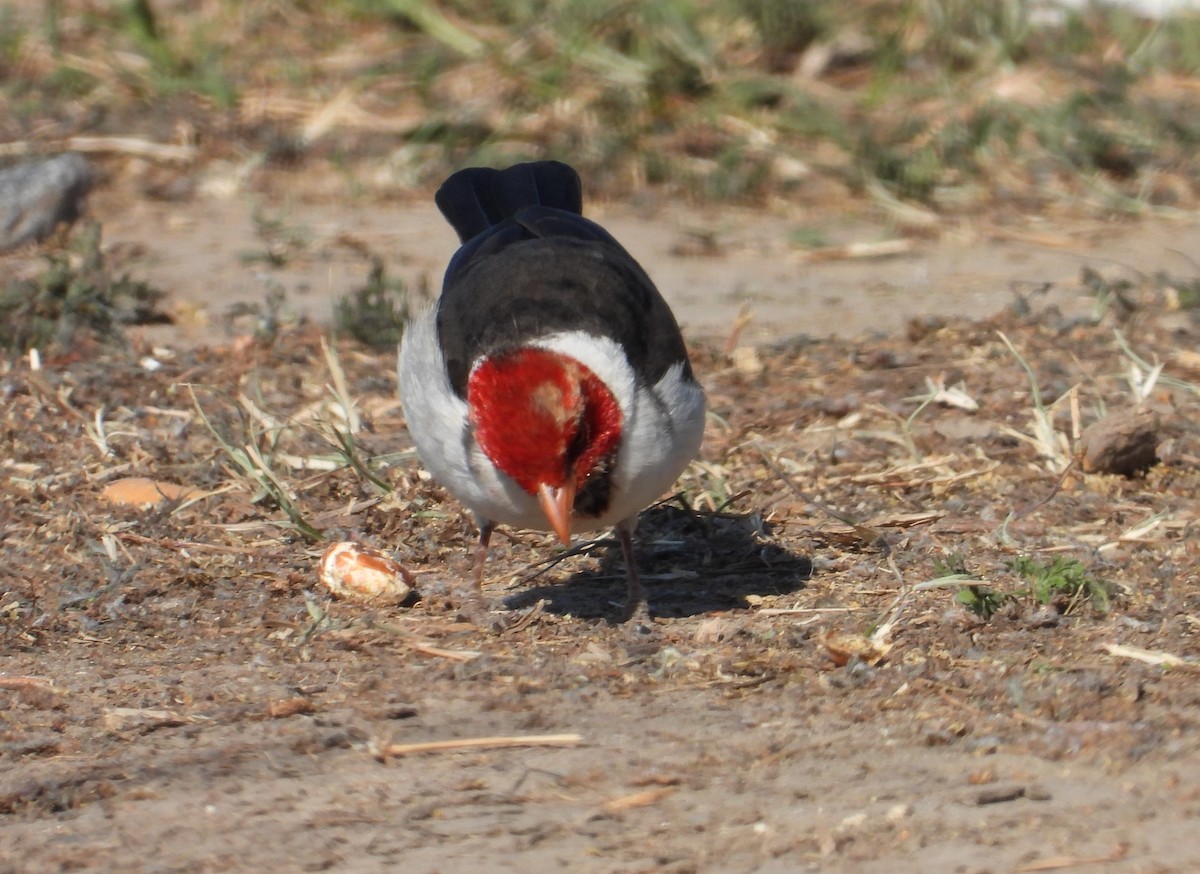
(635, 617)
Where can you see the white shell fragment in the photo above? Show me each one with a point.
(361, 573)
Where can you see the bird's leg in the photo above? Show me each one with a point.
(481, 554)
(636, 611)
(474, 608)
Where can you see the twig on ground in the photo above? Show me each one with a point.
(168, 543)
(1058, 863)
(478, 743)
(793, 611)
(20, 682)
(132, 146)
(637, 799)
(454, 655)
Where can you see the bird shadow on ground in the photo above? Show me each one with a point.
(690, 563)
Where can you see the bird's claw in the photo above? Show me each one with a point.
(636, 616)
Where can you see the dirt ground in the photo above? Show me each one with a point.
(179, 694)
(713, 264)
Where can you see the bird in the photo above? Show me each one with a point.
(548, 387)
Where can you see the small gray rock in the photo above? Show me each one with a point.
(36, 196)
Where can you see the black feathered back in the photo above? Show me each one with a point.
(531, 265)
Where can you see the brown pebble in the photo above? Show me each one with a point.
(290, 707)
(1124, 442)
(982, 777)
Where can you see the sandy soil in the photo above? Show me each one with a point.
(712, 265)
(178, 694)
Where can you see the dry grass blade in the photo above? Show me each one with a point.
(255, 469)
(1144, 376)
(798, 611)
(1149, 657)
(1138, 533)
(425, 647)
(873, 249)
(340, 389)
(122, 719)
(1060, 863)
(308, 462)
(454, 655)
(637, 799)
(903, 475)
(891, 615)
(953, 396)
(874, 529)
(1050, 443)
(195, 545)
(342, 436)
(17, 682)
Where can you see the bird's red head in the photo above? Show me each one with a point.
(547, 421)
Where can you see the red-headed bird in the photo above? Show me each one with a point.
(549, 386)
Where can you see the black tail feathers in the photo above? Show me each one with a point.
(477, 198)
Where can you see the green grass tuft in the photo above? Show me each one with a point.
(983, 601)
(374, 314)
(1064, 582)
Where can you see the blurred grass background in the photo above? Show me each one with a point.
(933, 108)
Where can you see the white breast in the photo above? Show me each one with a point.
(663, 428)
